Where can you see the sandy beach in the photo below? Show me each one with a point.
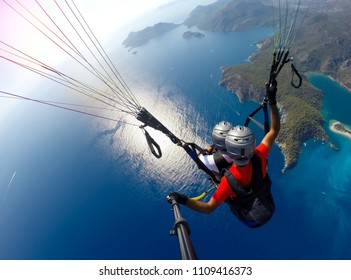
(340, 128)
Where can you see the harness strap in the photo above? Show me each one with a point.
(294, 71)
(220, 161)
(255, 187)
(149, 120)
(152, 145)
(254, 206)
(190, 149)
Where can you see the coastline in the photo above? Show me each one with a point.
(258, 46)
(297, 125)
(311, 74)
(340, 128)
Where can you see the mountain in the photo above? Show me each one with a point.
(231, 15)
(321, 44)
(325, 45)
(223, 15)
(139, 38)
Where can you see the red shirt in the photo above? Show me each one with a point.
(242, 173)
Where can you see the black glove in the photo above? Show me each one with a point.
(180, 198)
(271, 91)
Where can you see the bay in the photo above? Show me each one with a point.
(90, 189)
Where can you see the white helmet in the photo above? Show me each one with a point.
(240, 144)
(219, 133)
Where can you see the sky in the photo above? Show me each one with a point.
(21, 19)
(103, 16)
(115, 13)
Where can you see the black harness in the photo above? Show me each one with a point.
(254, 205)
(220, 161)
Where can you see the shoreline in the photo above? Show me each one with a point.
(340, 128)
(312, 73)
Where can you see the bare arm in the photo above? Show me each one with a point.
(204, 207)
(272, 134)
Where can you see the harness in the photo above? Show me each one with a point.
(254, 205)
(220, 161)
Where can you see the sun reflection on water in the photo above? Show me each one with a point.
(175, 167)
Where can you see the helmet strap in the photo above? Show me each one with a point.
(242, 152)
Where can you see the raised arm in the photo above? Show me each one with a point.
(270, 137)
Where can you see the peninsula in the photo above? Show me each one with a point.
(321, 45)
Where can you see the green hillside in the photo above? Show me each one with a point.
(322, 45)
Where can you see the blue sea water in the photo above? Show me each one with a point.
(90, 189)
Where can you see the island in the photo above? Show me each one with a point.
(340, 128)
(192, 34)
(321, 45)
(140, 38)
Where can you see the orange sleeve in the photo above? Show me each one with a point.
(262, 150)
(223, 191)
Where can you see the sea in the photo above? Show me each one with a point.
(78, 187)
